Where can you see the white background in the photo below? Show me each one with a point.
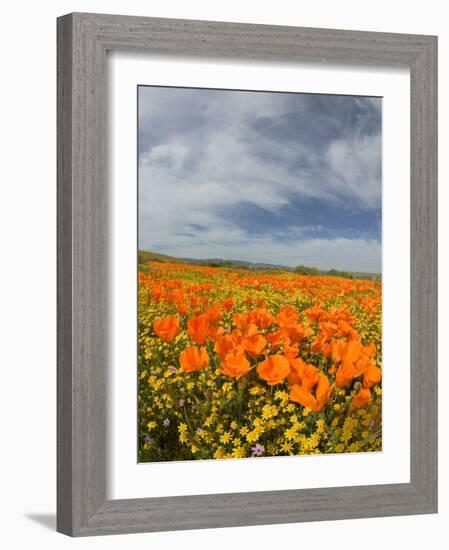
(27, 300)
(392, 465)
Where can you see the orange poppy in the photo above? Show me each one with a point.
(304, 396)
(213, 314)
(235, 364)
(307, 374)
(372, 376)
(225, 343)
(253, 342)
(215, 332)
(260, 317)
(345, 373)
(300, 394)
(240, 320)
(182, 309)
(362, 398)
(277, 339)
(337, 350)
(356, 359)
(197, 327)
(166, 328)
(192, 359)
(290, 352)
(287, 316)
(323, 392)
(227, 304)
(274, 369)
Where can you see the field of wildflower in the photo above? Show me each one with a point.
(237, 363)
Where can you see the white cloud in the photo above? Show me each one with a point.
(206, 153)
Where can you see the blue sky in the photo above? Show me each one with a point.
(269, 177)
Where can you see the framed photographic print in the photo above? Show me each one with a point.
(247, 286)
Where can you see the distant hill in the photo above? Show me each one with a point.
(147, 256)
(239, 263)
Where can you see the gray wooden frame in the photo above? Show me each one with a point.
(83, 40)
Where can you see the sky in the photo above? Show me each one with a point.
(280, 178)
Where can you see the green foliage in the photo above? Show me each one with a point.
(304, 270)
(336, 273)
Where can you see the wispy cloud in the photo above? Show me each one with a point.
(268, 177)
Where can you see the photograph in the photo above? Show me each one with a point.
(259, 285)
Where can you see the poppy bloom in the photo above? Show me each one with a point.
(240, 320)
(182, 309)
(306, 373)
(337, 350)
(235, 364)
(345, 373)
(287, 316)
(225, 343)
(192, 359)
(227, 304)
(214, 314)
(304, 396)
(297, 332)
(355, 361)
(278, 338)
(362, 398)
(260, 317)
(253, 342)
(197, 327)
(291, 352)
(274, 369)
(215, 332)
(372, 376)
(166, 328)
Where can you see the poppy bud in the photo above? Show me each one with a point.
(358, 386)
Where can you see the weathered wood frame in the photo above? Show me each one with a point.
(83, 40)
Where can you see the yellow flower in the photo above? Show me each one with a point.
(225, 438)
(281, 396)
(348, 427)
(320, 425)
(219, 453)
(254, 435)
(269, 411)
(151, 425)
(287, 447)
(238, 452)
(182, 428)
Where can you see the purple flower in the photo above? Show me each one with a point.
(166, 422)
(198, 430)
(146, 440)
(257, 450)
(181, 403)
(172, 369)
